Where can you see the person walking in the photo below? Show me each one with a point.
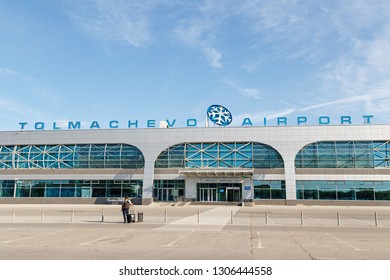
(125, 208)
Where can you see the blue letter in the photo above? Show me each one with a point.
(302, 120)
(129, 124)
(247, 121)
(114, 124)
(282, 120)
(322, 118)
(55, 126)
(22, 125)
(171, 124)
(39, 125)
(193, 122)
(367, 118)
(151, 123)
(346, 120)
(265, 121)
(75, 125)
(94, 124)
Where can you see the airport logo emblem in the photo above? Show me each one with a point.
(219, 115)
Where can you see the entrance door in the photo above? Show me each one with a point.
(168, 194)
(164, 194)
(233, 194)
(209, 194)
(230, 192)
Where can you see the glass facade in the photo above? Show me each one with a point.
(169, 190)
(269, 189)
(343, 190)
(344, 154)
(70, 188)
(71, 156)
(220, 155)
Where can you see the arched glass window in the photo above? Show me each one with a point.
(220, 155)
(344, 154)
(71, 156)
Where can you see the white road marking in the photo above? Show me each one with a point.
(34, 236)
(315, 220)
(215, 220)
(180, 238)
(87, 243)
(346, 243)
(259, 245)
(7, 229)
(356, 220)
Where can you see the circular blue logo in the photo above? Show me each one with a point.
(219, 115)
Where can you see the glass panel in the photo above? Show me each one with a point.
(342, 154)
(382, 194)
(364, 193)
(38, 188)
(327, 194)
(7, 188)
(99, 189)
(346, 194)
(68, 189)
(310, 194)
(220, 155)
(52, 189)
(114, 190)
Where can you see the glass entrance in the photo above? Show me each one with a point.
(168, 194)
(233, 194)
(169, 190)
(208, 194)
(229, 192)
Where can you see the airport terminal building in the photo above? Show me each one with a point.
(323, 164)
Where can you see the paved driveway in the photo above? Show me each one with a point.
(194, 233)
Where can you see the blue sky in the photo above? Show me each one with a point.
(75, 60)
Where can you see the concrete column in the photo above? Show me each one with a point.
(291, 188)
(147, 187)
(247, 194)
(190, 188)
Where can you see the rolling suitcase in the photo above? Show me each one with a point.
(131, 218)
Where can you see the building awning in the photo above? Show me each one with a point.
(217, 172)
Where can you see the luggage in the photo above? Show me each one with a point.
(131, 218)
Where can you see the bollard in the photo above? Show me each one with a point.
(266, 217)
(102, 215)
(42, 215)
(376, 219)
(231, 217)
(13, 215)
(301, 218)
(198, 216)
(338, 219)
(166, 216)
(72, 216)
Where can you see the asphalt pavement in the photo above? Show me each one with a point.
(97, 232)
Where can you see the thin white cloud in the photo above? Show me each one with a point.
(363, 74)
(308, 30)
(247, 92)
(214, 56)
(199, 35)
(7, 71)
(120, 21)
(14, 107)
(378, 96)
(36, 89)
